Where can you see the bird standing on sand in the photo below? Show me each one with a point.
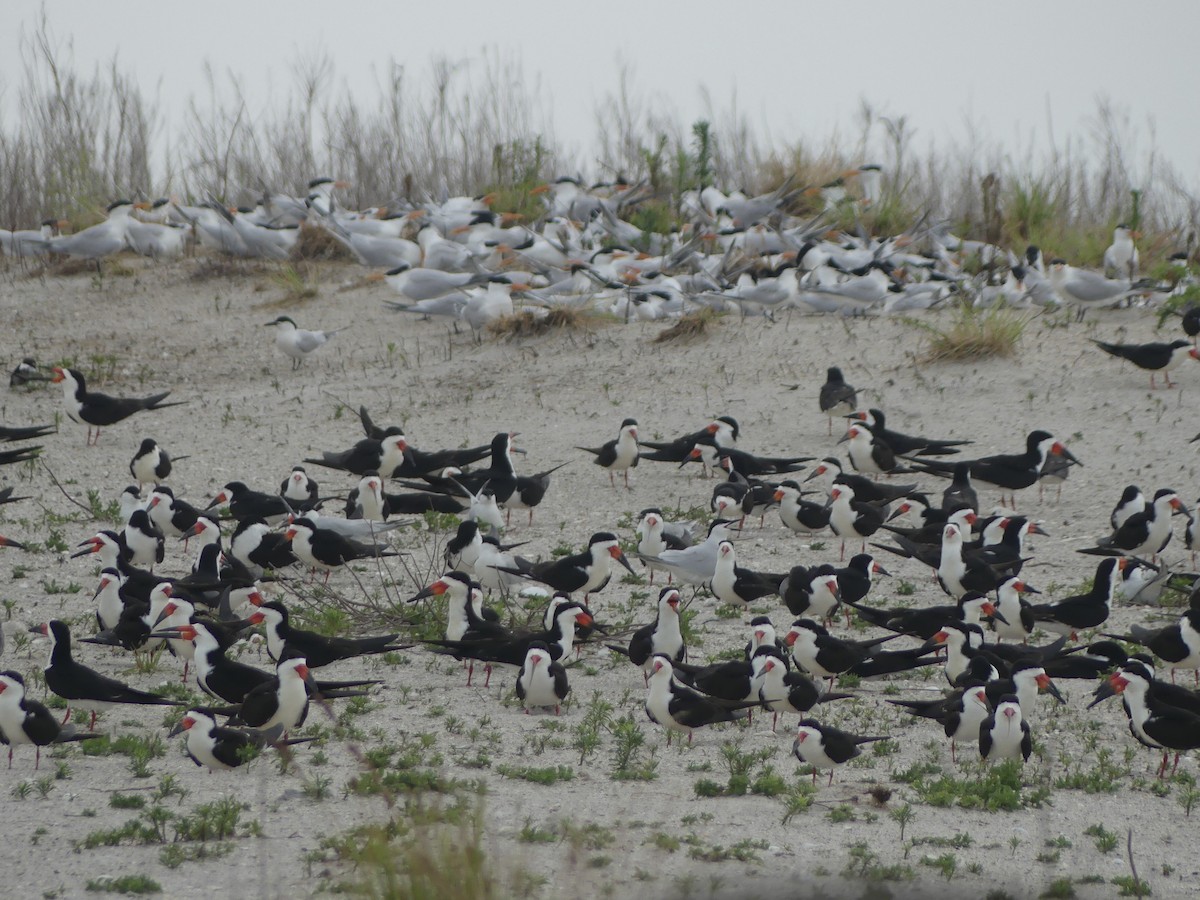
(96, 410)
(296, 342)
(837, 398)
(1151, 357)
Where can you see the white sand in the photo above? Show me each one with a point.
(250, 418)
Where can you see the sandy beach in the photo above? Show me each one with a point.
(249, 417)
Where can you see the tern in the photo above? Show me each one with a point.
(298, 343)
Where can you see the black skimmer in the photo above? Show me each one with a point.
(220, 748)
(1178, 644)
(1161, 716)
(245, 503)
(1151, 357)
(1145, 533)
(732, 583)
(1016, 621)
(723, 431)
(175, 517)
(257, 547)
(530, 491)
(747, 464)
(870, 453)
(299, 490)
(851, 518)
(819, 653)
(151, 464)
(662, 637)
(903, 444)
(826, 747)
(98, 410)
(588, 571)
(811, 591)
(144, 540)
(511, 649)
(783, 691)
(107, 598)
(960, 714)
(677, 707)
(1004, 734)
(959, 572)
(25, 721)
(282, 701)
(1082, 611)
(85, 688)
(797, 514)
(542, 681)
(384, 456)
(323, 549)
(27, 373)
(618, 455)
(1008, 472)
(284, 641)
(837, 398)
(925, 622)
(865, 489)
(961, 493)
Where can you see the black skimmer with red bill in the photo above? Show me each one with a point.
(852, 518)
(904, 444)
(747, 464)
(797, 514)
(811, 591)
(220, 748)
(869, 453)
(96, 410)
(588, 571)
(1008, 472)
(510, 648)
(1152, 357)
(1144, 533)
(1083, 611)
(1161, 715)
(836, 398)
(144, 540)
(299, 488)
(960, 714)
(245, 503)
(732, 583)
(529, 493)
(1016, 622)
(151, 464)
(722, 431)
(1178, 644)
(826, 747)
(656, 534)
(925, 622)
(542, 681)
(819, 653)
(1005, 734)
(285, 641)
(618, 455)
(282, 701)
(173, 516)
(784, 691)
(865, 489)
(662, 637)
(679, 708)
(384, 456)
(25, 721)
(326, 550)
(258, 548)
(85, 688)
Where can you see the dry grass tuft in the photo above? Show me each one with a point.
(530, 324)
(973, 335)
(689, 327)
(299, 282)
(219, 266)
(317, 244)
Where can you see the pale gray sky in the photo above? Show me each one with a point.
(798, 69)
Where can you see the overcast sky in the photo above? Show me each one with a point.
(797, 69)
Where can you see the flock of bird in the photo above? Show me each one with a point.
(750, 255)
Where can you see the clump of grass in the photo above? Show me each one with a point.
(124, 884)
(529, 324)
(689, 327)
(298, 283)
(317, 244)
(974, 334)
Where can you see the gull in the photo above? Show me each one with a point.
(297, 342)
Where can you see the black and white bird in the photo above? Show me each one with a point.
(1005, 734)
(662, 637)
(542, 681)
(677, 707)
(297, 343)
(220, 748)
(285, 641)
(619, 454)
(85, 688)
(96, 410)
(151, 464)
(25, 721)
(826, 747)
(298, 489)
(27, 373)
(323, 549)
